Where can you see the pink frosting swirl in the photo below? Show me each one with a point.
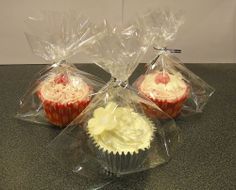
(64, 89)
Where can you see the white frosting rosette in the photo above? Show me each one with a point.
(163, 86)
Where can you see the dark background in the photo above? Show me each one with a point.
(205, 161)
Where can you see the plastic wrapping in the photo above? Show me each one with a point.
(60, 91)
(167, 82)
(114, 135)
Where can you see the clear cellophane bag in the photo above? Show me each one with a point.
(117, 134)
(167, 82)
(59, 92)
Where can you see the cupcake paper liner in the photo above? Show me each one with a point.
(116, 163)
(172, 108)
(62, 114)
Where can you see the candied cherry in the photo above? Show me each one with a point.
(162, 78)
(61, 79)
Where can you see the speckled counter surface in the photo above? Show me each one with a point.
(207, 159)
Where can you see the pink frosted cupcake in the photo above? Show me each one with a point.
(168, 91)
(63, 98)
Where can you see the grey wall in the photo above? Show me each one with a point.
(208, 36)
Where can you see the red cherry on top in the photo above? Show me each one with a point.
(162, 78)
(61, 79)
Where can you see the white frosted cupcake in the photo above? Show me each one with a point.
(63, 98)
(120, 137)
(168, 91)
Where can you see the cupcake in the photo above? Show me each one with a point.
(166, 90)
(120, 138)
(63, 98)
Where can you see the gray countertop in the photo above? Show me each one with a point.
(205, 161)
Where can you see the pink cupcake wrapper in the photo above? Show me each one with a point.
(172, 108)
(62, 114)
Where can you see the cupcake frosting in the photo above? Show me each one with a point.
(164, 86)
(64, 89)
(120, 129)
